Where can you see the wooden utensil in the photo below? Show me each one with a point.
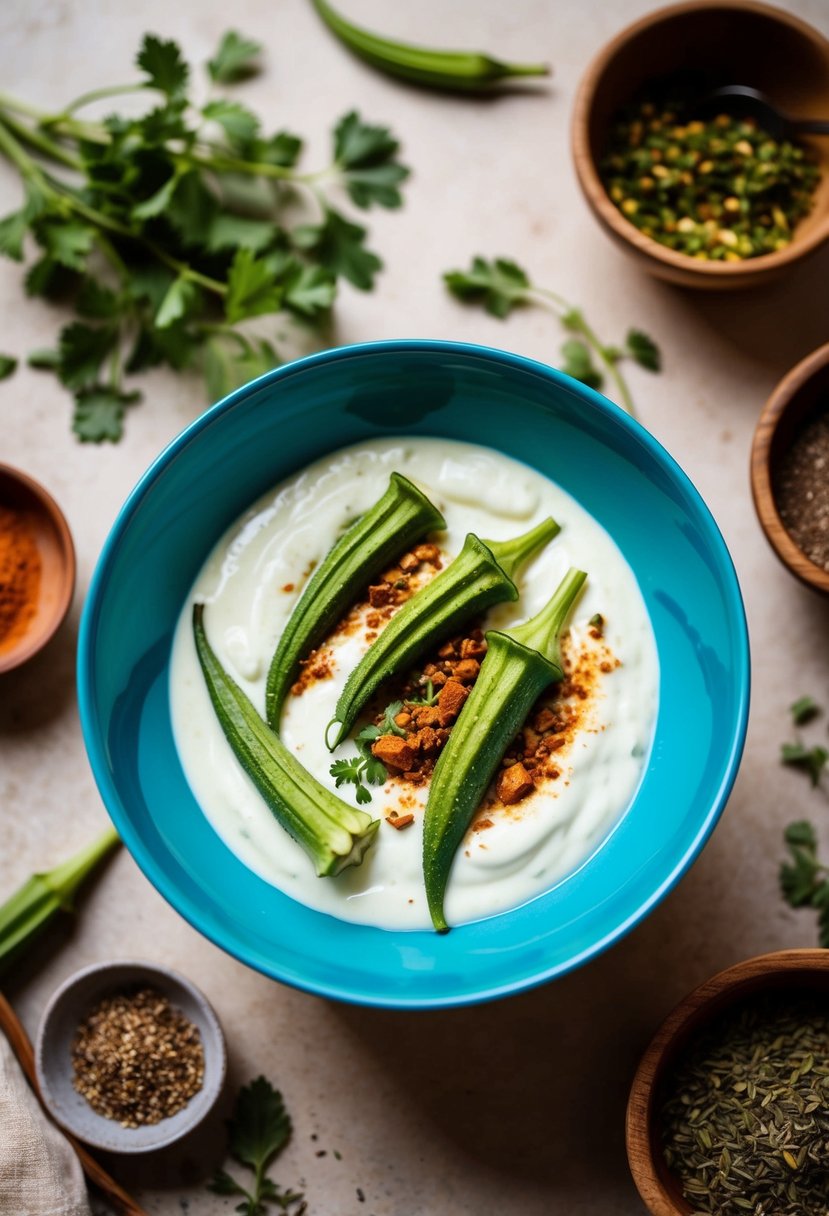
(784, 969)
(798, 396)
(13, 1028)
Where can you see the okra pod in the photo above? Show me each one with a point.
(519, 664)
(459, 71)
(481, 575)
(332, 833)
(30, 909)
(402, 516)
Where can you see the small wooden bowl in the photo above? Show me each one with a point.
(57, 556)
(785, 969)
(798, 396)
(725, 42)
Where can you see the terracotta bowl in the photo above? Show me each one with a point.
(798, 396)
(57, 556)
(725, 42)
(785, 969)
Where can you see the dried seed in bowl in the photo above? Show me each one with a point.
(137, 1059)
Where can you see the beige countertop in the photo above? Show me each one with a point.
(518, 1106)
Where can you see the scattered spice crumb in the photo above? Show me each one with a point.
(360, 1195)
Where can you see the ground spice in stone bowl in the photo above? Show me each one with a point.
(745, 1109)
(801, 488)
(137, 1059)
(20, 571)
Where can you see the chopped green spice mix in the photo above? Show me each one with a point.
(745, 1110)
(718, 190)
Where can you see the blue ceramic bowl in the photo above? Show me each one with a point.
(272, 427)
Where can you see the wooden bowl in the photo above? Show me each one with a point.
(785, 969)
(726, 42)
(798, 397)
(57, 557)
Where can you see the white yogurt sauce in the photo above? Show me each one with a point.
(251, 582)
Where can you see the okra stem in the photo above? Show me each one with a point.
(333, 834)
(519, 664)
(481, 575)
(402, 516)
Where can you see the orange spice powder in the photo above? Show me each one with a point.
(20, 570)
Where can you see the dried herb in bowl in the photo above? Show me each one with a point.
(718, 190)
(745, 1110)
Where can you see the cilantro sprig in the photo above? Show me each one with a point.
(812, 760)
(804, 879)
(365, 767)
(173, 231)
(501, 285)
(259, 1129)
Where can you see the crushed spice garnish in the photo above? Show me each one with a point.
(137, 1059)
(802, 490)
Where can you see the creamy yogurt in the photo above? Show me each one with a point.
(251, 582)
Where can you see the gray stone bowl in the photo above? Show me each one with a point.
(53, 1055)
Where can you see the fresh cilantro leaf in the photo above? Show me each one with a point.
(239, 124)
(229, 231)
(99, 413)
(68, 242)
(13, 229)
(223, 1184)
(227, 367)
(362, 794)
(798, 876)
(96, 301)
(234, 60)
(309, 290)
(803, 710)
(163, 65)
(579, 364)
(83, 349)
(643, 350)
(499, 285)
(181, 300)
(192, 210)
(365, 155)
(7, 365)
(388, 726)
(346, 771)
(161, 124)
(813, 759)
(251, 290)
(49, 278)
(339, 246)
(260, 1126)
(158, 201)
(282, 149)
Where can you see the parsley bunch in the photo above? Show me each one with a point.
(501, 285)
(170, 231)
(259, 1129)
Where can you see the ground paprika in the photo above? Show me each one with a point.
(20, 571)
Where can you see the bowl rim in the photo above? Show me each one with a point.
(212, 1086)
(33, 642)
(762, 491)
(751, 972)
(593, 187)
(96, 749)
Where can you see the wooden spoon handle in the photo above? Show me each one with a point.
(14, 1030)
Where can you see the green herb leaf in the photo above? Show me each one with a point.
(347, 771)
(260, 1126)
(813, 759)
(180, 301)
(499, 285)
(99, 413)
(239, 124)
(229, 231)
(643, 350)
(157, 202)
(96, 301)
(44, 359)
(235, 59)
(7, 365)
(803, 710)
(227, 366)
(282, 149)
(83, 349)
(579, 364)
(309, 290)
(13, 229)
(366, 157)
(49, 278)
(798, 877)
(339, 246)
(223, 1184)
(163, 65)
(68, 242)
(251, 290)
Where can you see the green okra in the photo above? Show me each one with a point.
(402, 516)
(30, 909)
(332, 833)
(481, 575)
(519, 664)
(459, 71)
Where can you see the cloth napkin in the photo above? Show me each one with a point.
(39, 1172)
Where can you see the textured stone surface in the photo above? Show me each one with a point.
(516, 1106)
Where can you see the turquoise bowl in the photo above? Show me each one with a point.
(274, 426)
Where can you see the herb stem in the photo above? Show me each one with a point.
(14, 151)
(41, 143)
(85, 99)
